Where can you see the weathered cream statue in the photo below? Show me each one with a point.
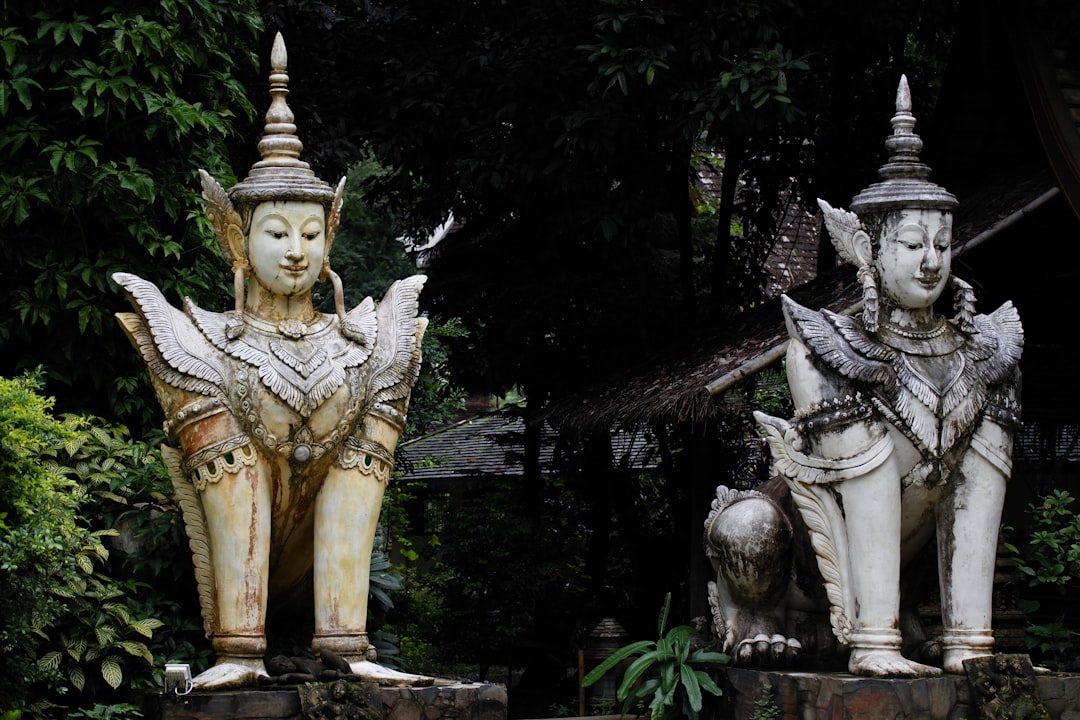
(903, 429)
(286, 419)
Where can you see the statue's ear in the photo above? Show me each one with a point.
(234, 242)
(863, 247)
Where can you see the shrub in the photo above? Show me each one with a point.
(40, 537)
(72, 634)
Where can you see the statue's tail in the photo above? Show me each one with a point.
(198, 540)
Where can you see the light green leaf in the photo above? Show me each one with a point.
(111, 672)
(50, 660)
(137, 649)
(146, 626)
(77, 677)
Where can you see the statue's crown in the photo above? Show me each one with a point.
(280, 174)
(904, 177)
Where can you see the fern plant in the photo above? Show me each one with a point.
(667, 668)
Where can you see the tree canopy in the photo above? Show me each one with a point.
(108, 110)
(563, 137)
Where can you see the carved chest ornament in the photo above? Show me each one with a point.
(934, 399)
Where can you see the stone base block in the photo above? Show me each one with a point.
(471, 701)
(840, 696)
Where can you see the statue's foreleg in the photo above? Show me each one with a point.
(237, 510)
(346, 520)
(968, 519)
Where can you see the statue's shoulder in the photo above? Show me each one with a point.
(171, 345)
(839, 342)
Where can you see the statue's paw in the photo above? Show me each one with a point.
(887, 663)
(230, 673)
(374, 672)
(928, 652)
(765, 651)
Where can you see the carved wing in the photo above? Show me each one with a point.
(333, 217)
(198, 538)
(171, 346)
(819, 331)
(842, 226)
(1004, 326)
(361, 325)
(825, 523)
(221, 212)
(395, 359)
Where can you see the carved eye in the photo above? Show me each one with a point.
(943, 239)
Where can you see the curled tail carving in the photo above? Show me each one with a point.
(198, 538)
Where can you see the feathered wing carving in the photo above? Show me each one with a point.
(825, 523)
(720, 624)
(842, 226)
(172, 347)
(301, 382)
(333, 217)
(819, 332)
(935, 414)
(854, 333)
(222, 214)
(820, 512)
(198, 536)
(395, 359)
(363, 327)
(1004, 325)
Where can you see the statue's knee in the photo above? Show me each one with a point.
(750, 542)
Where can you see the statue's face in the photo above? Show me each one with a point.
(287, 245)
(914, 257)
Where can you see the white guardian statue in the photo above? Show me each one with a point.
(902, 435)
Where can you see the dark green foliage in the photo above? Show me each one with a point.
(509, 577)
(1052, 553)
(40, 535)
(666, 671)
(765, 707)
(563, 136)
(108, 109)
(71, 634)
(1049, 558)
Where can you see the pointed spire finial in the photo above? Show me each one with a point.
(905, 176)
(280, 174)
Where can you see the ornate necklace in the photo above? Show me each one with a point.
(291, 328)
(918, 334)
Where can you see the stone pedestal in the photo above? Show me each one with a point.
(840, 696)
(473, 701)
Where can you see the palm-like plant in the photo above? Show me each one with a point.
(666, 668)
